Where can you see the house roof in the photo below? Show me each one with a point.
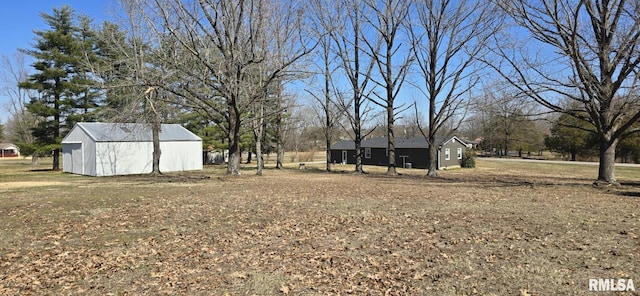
(344, 145)
(381, 142)
(134, 132)
(467, 141)
(6, 146)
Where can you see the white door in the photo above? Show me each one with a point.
(344, 156)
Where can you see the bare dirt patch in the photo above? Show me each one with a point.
(294, 232)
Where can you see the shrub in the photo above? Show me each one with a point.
(468, 160)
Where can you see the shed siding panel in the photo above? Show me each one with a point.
(180, 156)
(123, 158)
(89, 147)
(67, 159)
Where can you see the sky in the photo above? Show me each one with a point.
(18, 21)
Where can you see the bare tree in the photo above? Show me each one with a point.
(447, 37)
(588, 52)
(393, 62)
(132, 75)
(258, 128)
(280, 128)
(227, 54)
(325, 98)
(348, 37)
(18, 127)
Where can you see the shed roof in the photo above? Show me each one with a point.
(134, 132)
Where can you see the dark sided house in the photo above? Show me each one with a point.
(410, 152)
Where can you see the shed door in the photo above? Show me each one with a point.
(76, 158)
(344, 156)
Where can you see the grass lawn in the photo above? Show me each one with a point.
(504, 228)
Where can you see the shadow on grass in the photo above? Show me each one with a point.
(631, 183)
(629, 189)
(45, 170)
(628, 193)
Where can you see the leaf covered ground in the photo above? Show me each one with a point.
(498, 230)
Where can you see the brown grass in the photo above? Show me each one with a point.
(499, 229)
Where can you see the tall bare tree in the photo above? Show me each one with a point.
(324, 96)
(132, 74)
(447, 37)
(280, 128)
(348, 41)
(227, 53)
(18, 127)
(392, 61)
(588, 52)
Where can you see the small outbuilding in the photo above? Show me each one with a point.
(9, 150)
(411, 152)
(108, 149)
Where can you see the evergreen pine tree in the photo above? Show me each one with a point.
(61, 79)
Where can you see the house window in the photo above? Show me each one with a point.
(447, 154)
(459, 153)
(367, 152)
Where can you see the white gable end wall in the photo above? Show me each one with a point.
(78, 153)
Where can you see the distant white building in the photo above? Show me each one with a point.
(9, 150)
(107, 149)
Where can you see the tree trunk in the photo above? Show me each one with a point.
(328, 154)
(233, 167)
(358, 136)
(279, 139)
(606, 168)
(56, 159)
(391, 168)
(259, 160)
(432, 158)
(34, 159)
(56, 130)
(156, 124)
(358, 144)
(328, 124)
(258, 136)
(279, 155)
(155, 129)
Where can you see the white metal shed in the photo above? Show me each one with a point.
(107, 149)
